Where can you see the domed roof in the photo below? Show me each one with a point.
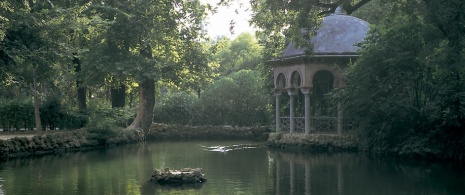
(337, 35)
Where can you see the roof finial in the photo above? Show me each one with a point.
(338, 11)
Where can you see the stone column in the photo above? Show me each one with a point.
(277, 94)
(340, 115)
(306, 92)
(292, 93)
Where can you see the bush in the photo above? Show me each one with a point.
(237, 99)
(109, 118)
(16, 114)
(177, 108)
(72, 120)
(50, 114)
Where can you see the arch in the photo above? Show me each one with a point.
(323, 83)
(280, 82)
(296, 81)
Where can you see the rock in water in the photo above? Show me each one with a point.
(183, 176)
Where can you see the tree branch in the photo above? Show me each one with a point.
(349, 9)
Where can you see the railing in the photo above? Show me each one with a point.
(318, 124)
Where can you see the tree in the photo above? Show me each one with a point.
(145, 39)
(404, 87)
(236, 99)
(244, 52)
(296, 20)
(28, 51)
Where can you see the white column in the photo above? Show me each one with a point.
(292, 93)
(278, 111)
(291, 115)
(306, 92)
(307, 114)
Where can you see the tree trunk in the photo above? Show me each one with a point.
(36, 101)
(144, 115)
(118, 96)
(81, 90)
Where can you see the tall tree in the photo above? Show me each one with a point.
(404, 89)
(28, 49)
(243, 52)
(145, 39)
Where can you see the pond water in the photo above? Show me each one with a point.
(231, 167)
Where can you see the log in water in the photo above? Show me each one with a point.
(182, 176)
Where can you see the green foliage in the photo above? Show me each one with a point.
(16, 114)
(244, 52)
(104, 117)
(106, 123)
(50, 114)
(178, 108)
(237, 99)
(404, 89)
(72, 120)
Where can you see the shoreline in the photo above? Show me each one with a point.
(53, 142)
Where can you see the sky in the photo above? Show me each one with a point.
(219, 23)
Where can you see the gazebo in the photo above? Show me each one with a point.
(312, 77)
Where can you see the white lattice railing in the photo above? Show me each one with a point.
(318, 124)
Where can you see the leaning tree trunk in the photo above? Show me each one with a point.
(144, 115)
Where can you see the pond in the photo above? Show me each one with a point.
(231, 167)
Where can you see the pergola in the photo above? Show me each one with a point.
(314, 76)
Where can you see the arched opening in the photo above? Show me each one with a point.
(280, 81)
(322, 84)
(295, 80)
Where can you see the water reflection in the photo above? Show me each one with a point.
(246, 168)
(226, 148)
(341, 173)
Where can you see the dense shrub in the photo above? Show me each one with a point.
(177, 108)
(237, 99)
(16, 114)
(109, 118)
(72, 120)
(50, 114)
